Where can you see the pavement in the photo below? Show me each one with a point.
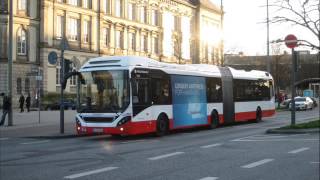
(27, 124)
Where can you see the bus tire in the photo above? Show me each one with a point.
(214, 120)
(162, 125)
(258, 115)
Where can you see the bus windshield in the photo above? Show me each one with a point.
(105, 91)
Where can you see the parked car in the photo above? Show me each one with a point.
(68, 104)
(285, 103)
(315, 104)
(302, 103)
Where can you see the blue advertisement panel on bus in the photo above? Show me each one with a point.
(189, 100)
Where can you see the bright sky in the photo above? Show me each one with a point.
(245, 31)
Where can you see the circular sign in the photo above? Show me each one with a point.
(52, 58)
(291, 41)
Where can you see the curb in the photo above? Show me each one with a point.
(292, 131)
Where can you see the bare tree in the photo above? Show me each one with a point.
(304, 13)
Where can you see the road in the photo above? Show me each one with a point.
(237, 152)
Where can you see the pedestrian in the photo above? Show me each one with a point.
(21, 102)
(5, 108)
(28, 101)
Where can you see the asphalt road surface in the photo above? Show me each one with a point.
(237, 152)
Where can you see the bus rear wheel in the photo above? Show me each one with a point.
(258, 115)
(162, 125)
(214, 120)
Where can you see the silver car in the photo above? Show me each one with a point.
(302, 103)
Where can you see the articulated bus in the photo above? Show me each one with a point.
(128, 95)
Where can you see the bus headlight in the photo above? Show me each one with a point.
(124, 120)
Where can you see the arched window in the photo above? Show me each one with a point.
(21, 42)
(19, 86)
(27, 85)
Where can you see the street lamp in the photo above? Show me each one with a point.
(268, 53)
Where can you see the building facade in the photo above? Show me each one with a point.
(174, 31)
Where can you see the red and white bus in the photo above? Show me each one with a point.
(128, 95)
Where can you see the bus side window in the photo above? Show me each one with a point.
(160, 91)
(214, 90)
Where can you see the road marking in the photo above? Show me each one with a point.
(2, 139)
(165, 156)
(258, 163)
(133, 141)
(298, 150)
(209, 178)
(315, 162)
(35, 142)
(269, 140)
(73, 176)
(211, 145)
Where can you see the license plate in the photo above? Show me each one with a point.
(97, 130)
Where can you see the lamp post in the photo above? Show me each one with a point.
(268, 51)
(10, 119)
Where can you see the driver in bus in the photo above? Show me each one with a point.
(165, 94)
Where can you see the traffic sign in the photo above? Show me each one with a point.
(291, 41)
(52, 58)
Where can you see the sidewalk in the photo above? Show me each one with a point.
(27, 124)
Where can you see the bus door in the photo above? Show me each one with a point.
(141, 96)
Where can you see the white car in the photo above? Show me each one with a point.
(302, 103)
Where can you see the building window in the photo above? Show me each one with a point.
(73, 2)
(186, 36)
(19, 86)
(60, 27)
(119, 39)
(86, 31)
(106, 6)
(176, 23)
(22, 5)
(73, 29)
(60, 1)
(118, 8)
(21, 42)
(131, 11)
(155, 45)
(168, 20)
(143, 16)
(27, 85)
(154, 17)
(144, 43)
(73, 79)
(87, 4)
(58, 68)
(132, 41)
(106, 36)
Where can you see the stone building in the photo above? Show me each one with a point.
(175, 31)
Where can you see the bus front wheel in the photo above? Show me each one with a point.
(162, 125)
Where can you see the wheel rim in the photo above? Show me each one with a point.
(162, 126)
(214, 120)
